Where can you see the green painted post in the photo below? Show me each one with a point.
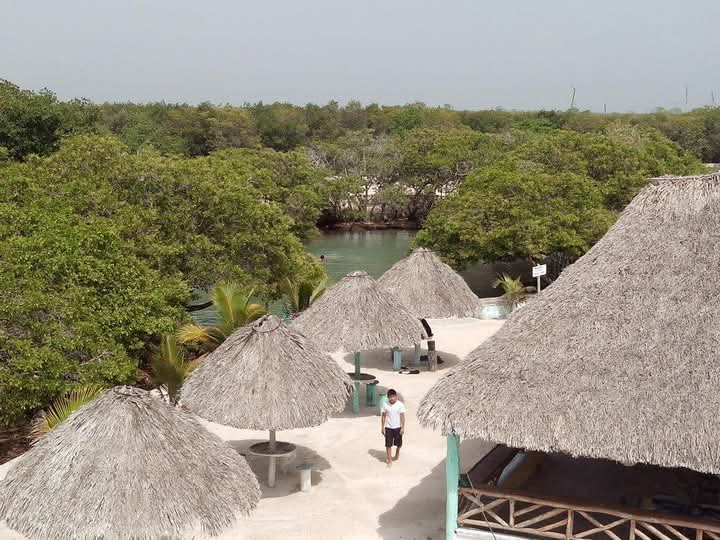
(397, 358)
(452, 477)
(357, 364)
(356, 398)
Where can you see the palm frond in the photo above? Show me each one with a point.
(62, 407)
(194, 333)
(170, 367)
(224, 300)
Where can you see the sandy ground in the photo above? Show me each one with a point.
(355, 496)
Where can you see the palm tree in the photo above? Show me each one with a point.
(170, 367)
(232, 304)
(62, 407)
(513, 289)
(300, 295)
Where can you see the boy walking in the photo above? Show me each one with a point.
(392, 425)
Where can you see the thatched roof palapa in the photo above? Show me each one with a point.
(127, 466)
(357, 314)
(430, 288)
(267, 376)
(617, 359)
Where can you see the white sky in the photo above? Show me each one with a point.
(516, 54)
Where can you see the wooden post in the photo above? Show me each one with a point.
(357, 364)
(397, 358)
(432, 356)
(356, 398)
(416, 355)
(452, 477)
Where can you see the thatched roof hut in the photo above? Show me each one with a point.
(127, 466)
(267, 376)
(617, 359)
(357, 314)
(430, 288)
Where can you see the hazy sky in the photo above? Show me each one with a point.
(516, 54)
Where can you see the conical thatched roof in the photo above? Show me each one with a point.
(430, 288)
(267, 376)
(618, 358)
(357, 314)
(127, 466)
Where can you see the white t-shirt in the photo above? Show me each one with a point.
(392, 414)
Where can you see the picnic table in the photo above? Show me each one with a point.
(370, 381)
(273, 452)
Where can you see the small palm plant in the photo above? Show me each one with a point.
(513, 289)
(233, 306)
(301, 294)
(61, 408)
(170, 368)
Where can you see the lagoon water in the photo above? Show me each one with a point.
(371, 251)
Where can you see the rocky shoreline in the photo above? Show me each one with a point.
(373, 226)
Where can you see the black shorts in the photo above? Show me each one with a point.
(393, 437)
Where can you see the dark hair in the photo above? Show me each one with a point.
(391, 392)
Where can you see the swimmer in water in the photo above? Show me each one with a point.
(322, 259)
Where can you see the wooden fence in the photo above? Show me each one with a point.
(493, 509)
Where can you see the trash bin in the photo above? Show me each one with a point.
(382, 401)
(371, 393)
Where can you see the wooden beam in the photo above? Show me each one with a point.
(530, 532)
(541, 517)
(601, 526)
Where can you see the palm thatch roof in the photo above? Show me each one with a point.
(618, 358)
(430, 288)
(267, 376)
(357, 314)
(127, 466)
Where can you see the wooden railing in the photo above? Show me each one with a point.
(493, 509)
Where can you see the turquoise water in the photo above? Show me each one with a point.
(371, 251)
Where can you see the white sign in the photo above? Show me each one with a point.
(539, 270)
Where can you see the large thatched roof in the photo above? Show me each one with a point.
(619, 357)
(430, 288)
(267, 376)
(127, 466)
(357, 314)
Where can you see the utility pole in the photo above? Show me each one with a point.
(686, 96)
(572, 100)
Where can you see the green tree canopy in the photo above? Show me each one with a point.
(99, 250)
(34, 122)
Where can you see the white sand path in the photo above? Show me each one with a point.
(355, 496)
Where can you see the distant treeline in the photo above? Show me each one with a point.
(32, 122)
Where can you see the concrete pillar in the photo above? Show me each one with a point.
(452, 478)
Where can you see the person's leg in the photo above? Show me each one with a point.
(388, 451)
(398, 444)
(388, 445)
